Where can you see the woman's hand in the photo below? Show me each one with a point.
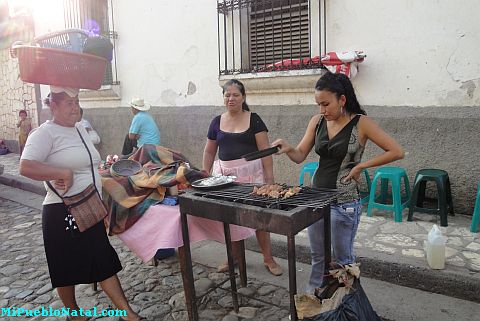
(354, 174)
(64, 183)
(283, 146)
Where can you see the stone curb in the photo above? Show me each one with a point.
(449, 283)
(22, 183)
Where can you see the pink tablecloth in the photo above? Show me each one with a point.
(160, 227)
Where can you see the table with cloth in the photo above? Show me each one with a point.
(136, 215)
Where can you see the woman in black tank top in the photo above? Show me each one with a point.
(339, 133)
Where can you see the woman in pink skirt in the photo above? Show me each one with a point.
(235, 133)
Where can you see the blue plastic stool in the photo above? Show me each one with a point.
(395, 175)
(476, 213)
(308, 168)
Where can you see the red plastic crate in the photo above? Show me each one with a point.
(62, 68)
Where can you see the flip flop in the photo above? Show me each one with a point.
(224, 267)
(274, 268)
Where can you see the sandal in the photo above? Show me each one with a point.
(222, 268)
(274, 268)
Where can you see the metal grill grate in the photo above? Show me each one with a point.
(314, 198)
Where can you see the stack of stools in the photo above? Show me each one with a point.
(476, 213)
(395, 176)
(445, 203)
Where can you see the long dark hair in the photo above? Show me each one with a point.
(339, 84)
(240, 87)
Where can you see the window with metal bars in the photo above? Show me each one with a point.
(270, 35)
(95, 16)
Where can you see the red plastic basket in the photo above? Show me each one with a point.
(58, 67)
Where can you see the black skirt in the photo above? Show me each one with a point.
(78, 258)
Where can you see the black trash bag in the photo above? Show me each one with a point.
(99, 46)
(354, 307)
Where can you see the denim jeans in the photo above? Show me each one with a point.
(344, 220)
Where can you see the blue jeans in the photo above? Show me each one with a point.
(344, 220)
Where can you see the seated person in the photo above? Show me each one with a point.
(143, 127)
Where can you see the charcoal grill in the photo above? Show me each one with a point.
(236, 205)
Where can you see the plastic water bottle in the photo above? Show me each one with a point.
(435, 248)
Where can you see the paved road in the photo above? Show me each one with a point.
(157, 291)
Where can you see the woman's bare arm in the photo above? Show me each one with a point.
(62, 177)
(299, 153)
(370, 130)
(209, 153)
(267, 162)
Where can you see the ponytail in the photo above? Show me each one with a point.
(339, 84)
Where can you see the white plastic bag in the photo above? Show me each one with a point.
(435, 248)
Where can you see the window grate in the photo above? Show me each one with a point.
(95, 16)
(270, 35)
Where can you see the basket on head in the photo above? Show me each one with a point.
(60, 68)
(125, 167)
(69, 40)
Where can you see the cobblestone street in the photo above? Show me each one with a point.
(392, 252)
(155, 291)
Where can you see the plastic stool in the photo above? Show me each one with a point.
(395, 175)
(366, 194)
(476, 212)
(445, 204)
(308, 168)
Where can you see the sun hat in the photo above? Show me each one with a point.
(139, 104)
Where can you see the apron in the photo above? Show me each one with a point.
(246, 171)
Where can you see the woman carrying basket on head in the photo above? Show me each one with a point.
(60, 153)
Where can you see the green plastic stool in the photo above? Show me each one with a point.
(310, 168)
(445, 203)
(366, 194)
(395, 175)
(476, 212)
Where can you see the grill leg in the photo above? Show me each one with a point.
(231, 266)
(185, 258)
(292, 275)
(242, 265)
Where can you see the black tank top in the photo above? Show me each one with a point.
(337, 157)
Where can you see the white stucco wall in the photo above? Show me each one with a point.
(419, 53)
(163, 46)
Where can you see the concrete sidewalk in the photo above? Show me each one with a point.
(388, 251)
